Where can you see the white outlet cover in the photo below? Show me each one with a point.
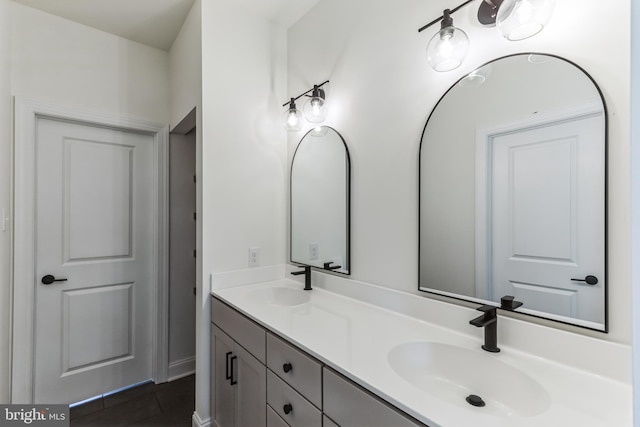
(254, 257)
(313, 251)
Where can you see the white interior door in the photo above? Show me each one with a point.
(94, 228)
(548, 217)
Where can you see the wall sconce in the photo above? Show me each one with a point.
(315, 108)
(292, 117)
(446, 50)
(516, 20)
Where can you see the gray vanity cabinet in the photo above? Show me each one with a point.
(326, 422)
(351, 406)
(274, 420)
(261, 380)
(238, 377)
(294, 384)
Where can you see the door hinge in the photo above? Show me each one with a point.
(194, 178)
(194, 254)
(194, 216)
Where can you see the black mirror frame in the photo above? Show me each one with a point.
(347, 204)
(457, 299)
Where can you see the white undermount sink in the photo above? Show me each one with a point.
(454, 373)
(280, 296)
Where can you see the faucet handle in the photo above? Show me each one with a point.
(305, 269)
(507, 302)
(328, 266)
(486, 308)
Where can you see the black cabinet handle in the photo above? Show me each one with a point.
(233, 359)
(227, 366)
(288, 408)
(49, 279)
(590, 280)
(287, 368)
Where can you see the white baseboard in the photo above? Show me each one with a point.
(196, 421)
(182, 368)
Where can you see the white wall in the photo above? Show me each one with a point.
(5, 188)
(185, 67)
(382, 91)
(60, 61)
(635, 208)
(185, 75)
(243, 153)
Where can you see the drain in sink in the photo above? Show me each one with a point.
(475, 400)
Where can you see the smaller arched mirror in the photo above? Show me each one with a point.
(320, 190)
(513, 190)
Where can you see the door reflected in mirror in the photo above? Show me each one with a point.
(320, 189)
(512, 190)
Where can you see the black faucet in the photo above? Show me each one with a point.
(508, 303)
(307, 276)
(328, 266)
(488, 321)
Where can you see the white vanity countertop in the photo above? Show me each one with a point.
(354, 338)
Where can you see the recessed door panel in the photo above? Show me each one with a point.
(97, 325)
(542, 211)
(563, 302)
(98, 210)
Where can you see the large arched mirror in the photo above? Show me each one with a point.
(320, 187)
(513, 190)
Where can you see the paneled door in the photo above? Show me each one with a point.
(94, 260)
(548, 217)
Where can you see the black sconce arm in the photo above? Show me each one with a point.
(305, 93)
(435, 21)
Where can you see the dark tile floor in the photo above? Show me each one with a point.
(158, 405)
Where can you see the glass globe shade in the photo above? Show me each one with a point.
(292, 120)
(447, 49)
(319, 131)
(476, 78)
(315, 109)
(521, 19)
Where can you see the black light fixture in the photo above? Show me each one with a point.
(292, 117)
(315, 108)
(446, 50)
(516, 20)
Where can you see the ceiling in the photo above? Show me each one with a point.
(156, 23)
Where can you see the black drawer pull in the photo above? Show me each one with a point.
(233, 359)
(287, 368)
(227, 366)
(288, 408)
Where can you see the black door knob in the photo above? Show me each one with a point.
(287, 367)
(288, 408)
(589, 280)
(49, 279)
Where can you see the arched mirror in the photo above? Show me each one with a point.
(513, 190)
(320, 187)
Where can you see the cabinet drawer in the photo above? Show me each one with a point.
(326, 422)
(244, 331)
(273, 419)
(296, 368)
(351, 406)
(282, 398)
